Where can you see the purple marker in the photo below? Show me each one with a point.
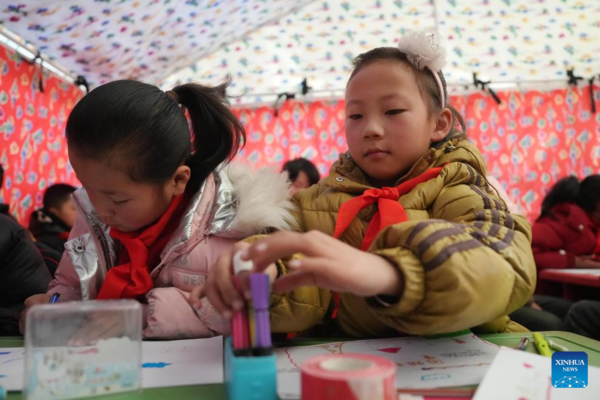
(259, 284)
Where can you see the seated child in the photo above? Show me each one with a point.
(302, 174)
(158, 206)
(22, 273)
(405, 236)
(567, 233)
(51, 224)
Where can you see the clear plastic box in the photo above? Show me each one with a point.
(84, 348)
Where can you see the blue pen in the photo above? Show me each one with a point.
(54, 298)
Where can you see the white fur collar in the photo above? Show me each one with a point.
(251, 202)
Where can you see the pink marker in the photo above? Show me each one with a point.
(240, 329)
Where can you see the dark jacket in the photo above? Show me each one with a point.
(22, 273)
(567, 232)
(48, 229)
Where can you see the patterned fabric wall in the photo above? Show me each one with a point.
(106, 40)
(314, 131)
(530, 141)
(502, 40)
(33, 150)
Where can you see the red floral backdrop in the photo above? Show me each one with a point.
(529, 141)
(33, 150)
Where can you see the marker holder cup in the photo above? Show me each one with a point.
(250, 377)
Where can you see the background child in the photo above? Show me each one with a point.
(51, 224)
(156, 207)
(440, 252)
(22, 273)
(302, 174)
(567, 233)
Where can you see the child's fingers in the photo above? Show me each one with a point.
(229, 293)
(243, 285)
(214, 297)
(196, 295)
(285, 244)
(220, 279)
(312, 271)
(37, 299)
(293, 281)
(30, 302)
(90, 329)
(111, 327)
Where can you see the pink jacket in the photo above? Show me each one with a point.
(233, 203)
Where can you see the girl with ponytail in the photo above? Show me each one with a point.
(160, 202)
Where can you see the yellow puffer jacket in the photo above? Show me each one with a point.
(466, 262)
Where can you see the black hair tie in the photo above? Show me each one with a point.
(173, 95)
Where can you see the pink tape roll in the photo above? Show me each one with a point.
(348, 377)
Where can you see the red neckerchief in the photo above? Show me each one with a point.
(139, 254)
(389, 212)
(64, 235)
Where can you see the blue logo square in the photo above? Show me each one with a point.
(569, 369)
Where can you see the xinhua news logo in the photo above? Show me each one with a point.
(569, 369)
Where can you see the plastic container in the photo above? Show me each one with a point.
(81, 349)
(250, 377)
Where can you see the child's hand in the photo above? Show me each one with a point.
(30, 302)
(101, 325)
(586, 262)
(329, 264)
(219, 288)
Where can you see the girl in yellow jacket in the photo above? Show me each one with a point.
(405, 235)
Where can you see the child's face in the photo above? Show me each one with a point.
(67, 212)
(388, 127)
(120, 202)
(302, 182)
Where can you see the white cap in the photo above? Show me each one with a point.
(240, 265)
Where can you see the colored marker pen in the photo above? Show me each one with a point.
(555, 346)
(522, 344)
(542, 345)
(252, 324)
(240, 333)
(259, 285)
(54, 298)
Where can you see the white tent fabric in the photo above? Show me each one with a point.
(501, 40)
(105, 40)
(173, 41)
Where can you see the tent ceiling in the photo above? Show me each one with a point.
(158, 40)
(502, 40)
(105, 40)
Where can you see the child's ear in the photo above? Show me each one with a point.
(443, 125)
(180, 179)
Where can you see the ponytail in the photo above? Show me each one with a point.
(216, 133)
(144, 131)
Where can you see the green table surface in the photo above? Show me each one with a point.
(217, 392)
